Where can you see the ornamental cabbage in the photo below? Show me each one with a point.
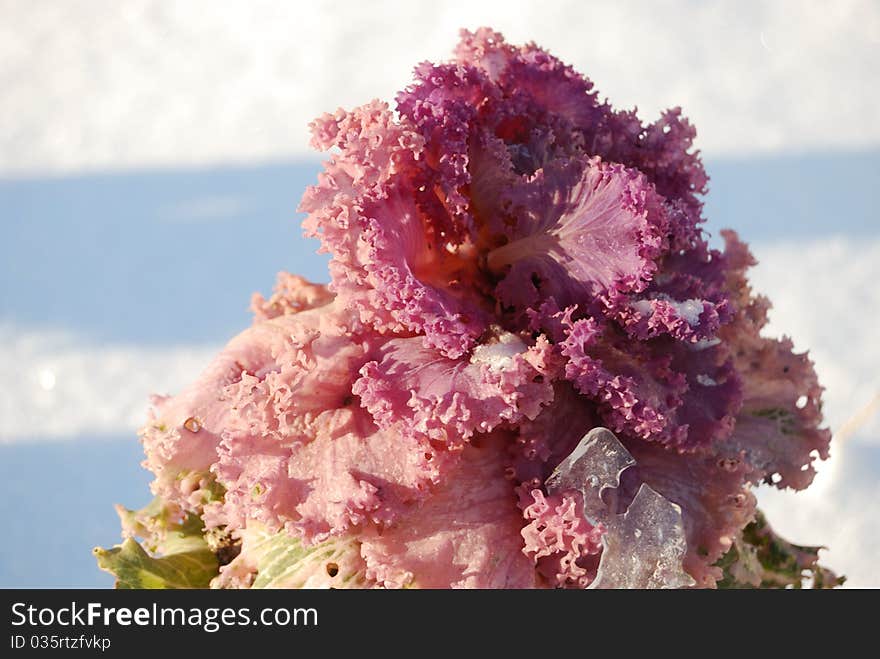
(529, 368)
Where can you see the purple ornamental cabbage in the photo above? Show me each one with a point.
(529, 369)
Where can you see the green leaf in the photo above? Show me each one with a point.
(192, 567)
(761, 558)
(175, 552)
(281, 561)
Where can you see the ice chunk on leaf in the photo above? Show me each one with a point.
(595, 464)
(643, 547)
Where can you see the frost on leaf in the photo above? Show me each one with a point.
(643, 547)
(442, 398)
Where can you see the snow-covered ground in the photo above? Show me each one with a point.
(103, 84)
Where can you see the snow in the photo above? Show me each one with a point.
(109, 84)
(499, 355)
